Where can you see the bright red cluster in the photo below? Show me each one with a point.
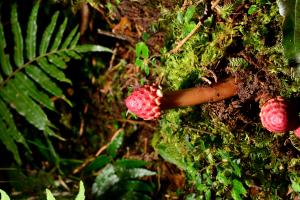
(274, 116)
(297, 132)
(144, 102)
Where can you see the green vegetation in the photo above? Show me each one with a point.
(20, 80)
(221, 161)
(49, 195)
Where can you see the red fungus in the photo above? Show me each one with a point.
(274, 116)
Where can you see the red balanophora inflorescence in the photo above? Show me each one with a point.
(148, 101)
(145, 102)
(274, 115)
(297, 132)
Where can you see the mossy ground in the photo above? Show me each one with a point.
(222, 146)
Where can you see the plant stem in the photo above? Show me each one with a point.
(198, 95)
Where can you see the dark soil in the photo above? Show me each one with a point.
(254, 87)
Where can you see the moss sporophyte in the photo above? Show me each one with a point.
(148, 101)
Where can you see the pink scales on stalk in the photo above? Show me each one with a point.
(144, 102)
(274, 116)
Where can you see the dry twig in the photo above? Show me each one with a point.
(118, 36)
(198, 25)
(182, 42)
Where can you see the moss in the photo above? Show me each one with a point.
(215, 156)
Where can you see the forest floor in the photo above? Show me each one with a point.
(236, 39)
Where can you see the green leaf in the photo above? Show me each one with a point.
(7, 118)
(136, 185)
(236, 168)
(171, 154)
(59, 35)
(69, 38)
(4, 59)
(115, 145)
(125, 163)
(75, 40)
(147, 70)
(237, 190)
(134, 173)
(45, 82)
(54, 155)
(15, 97)
(222, 178)
(208, 195)
(4, 196)
(41, 148)
(80, 195)
(28, 86)
(252, 9)
(48, 33)
(50, 132)
(49, 195)
(139, 63)
(180, 17)
(141, 50)
(57, 61)
(31, 33)
(189, 14)
(188, 28)
(291, 28)
(18, 38)
(98, 163)
(295, 186)
(72, 54)
(8, 141)
(91, 48)
(52, 70)
(105, 180)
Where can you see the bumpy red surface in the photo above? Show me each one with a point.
(144, 102)
(274, 116)
(297, 132)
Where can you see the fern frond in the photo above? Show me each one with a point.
(47, 34)
(238, 62)
(4, 61)
(17, 35)
(69, 38)
(28, 84)
(31, 33)
(43, 80)
(24, 105)
(52, 70)
(57, 61)
(59, 35)
(10, 134)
